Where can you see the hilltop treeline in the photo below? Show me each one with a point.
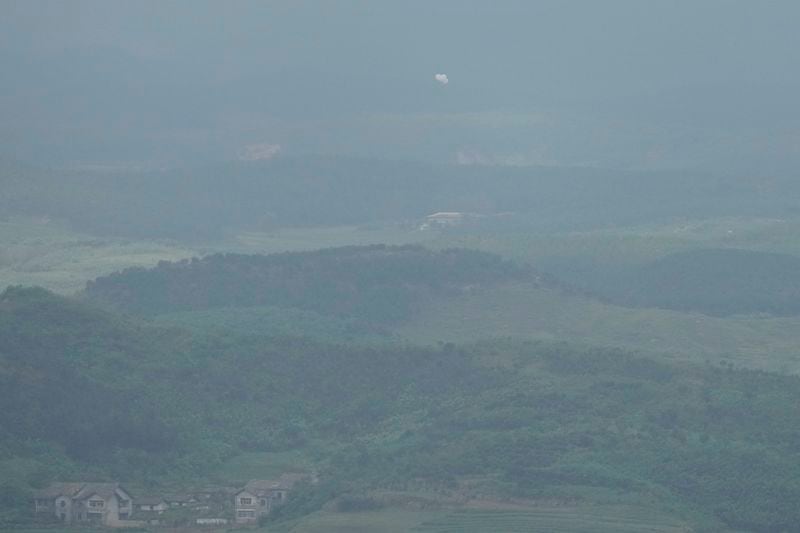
(209, 202)
(375, 283)
(85, 390)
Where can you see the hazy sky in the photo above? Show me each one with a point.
(615, 83)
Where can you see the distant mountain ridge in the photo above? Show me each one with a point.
(209, 202)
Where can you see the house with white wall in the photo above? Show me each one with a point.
(107, 504)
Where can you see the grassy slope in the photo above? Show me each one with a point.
(539, 313)
(516, 310)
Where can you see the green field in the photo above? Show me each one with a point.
(46, 253)
(301, 239)
(383, 521)
(558, 519)
(585, 519)
(553, 520)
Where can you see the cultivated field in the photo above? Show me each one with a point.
(584, 519)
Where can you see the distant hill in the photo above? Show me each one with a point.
(717, 282)
(375, 283)
(412, 293)
(200, 203)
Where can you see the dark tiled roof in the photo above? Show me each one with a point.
(217, 490)
(179, 498)
(261, 487)
(104, 490)
(56, 489)
(149, 500)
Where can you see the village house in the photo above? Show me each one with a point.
(107, 504)
(150, 504)
(260, 496)
(180, 500)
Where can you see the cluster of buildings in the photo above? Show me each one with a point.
(112, 505)
(443, 219)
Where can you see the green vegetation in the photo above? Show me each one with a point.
(559, 519)
(338, 296)
(226, 199)
(717, 282)
(387, 520)
(374, 283)
(657, 440)
(276, 321)
(313, 238)
(556, 520)
(224, 281)
(522, 311)
(261, 465)
(631, 244)
(725, 266)
(527, 421)
(46, 253)
(505, 519)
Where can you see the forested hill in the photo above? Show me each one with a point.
(88, 393)
(60, 361)
(208, 202)
(719, 282)
(376, 283)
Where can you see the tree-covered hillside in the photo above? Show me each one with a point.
(374, 283)
(48, 347)
(524, 420)
(717, 282)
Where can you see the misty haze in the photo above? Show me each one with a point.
(372, 266)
